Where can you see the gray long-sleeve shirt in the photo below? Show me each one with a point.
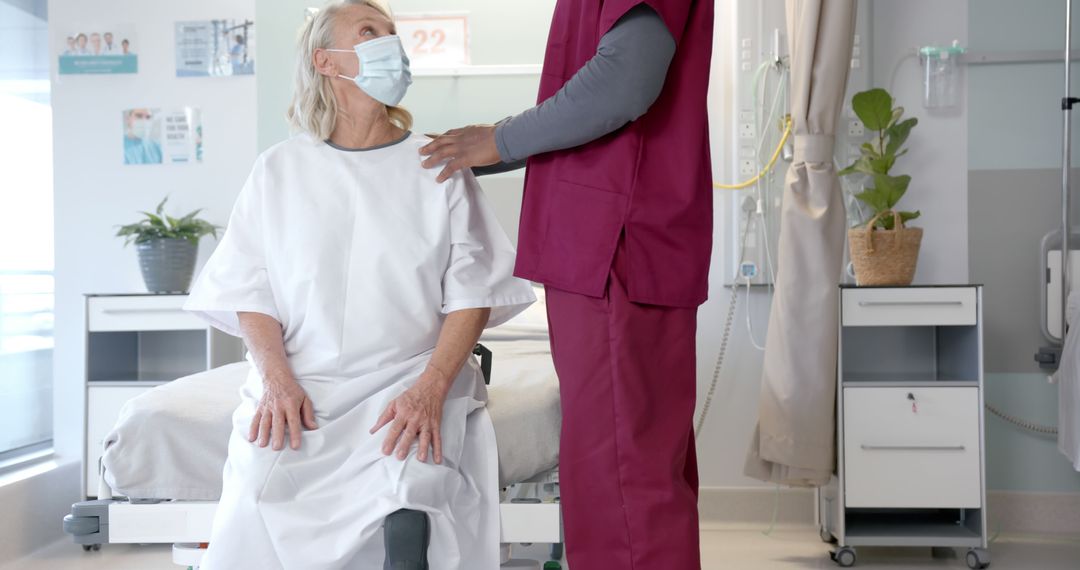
(615, 87)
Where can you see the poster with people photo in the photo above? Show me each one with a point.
(156, 136)
(215, 48)
(105, 49)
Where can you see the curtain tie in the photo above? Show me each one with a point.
(814, 148)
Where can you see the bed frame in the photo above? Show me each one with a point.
(529, 513)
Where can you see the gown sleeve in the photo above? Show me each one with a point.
(480, 271)
(235, 277)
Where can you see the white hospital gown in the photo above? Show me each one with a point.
(1068, 380)
(359, 255)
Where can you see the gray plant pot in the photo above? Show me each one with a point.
(167, 264)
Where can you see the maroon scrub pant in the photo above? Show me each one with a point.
(628, 471)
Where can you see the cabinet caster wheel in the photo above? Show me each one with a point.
(556, 551)
(845, 557)
(978, 558)
(826, 536)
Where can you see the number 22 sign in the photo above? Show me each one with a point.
(434, 40)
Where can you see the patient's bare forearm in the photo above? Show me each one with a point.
(458, 336)
(263, 337)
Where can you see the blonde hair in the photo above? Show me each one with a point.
(314, 108)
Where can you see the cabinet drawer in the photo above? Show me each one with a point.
(909, 306)
(150, 313)
(912, 448)
(102, 410)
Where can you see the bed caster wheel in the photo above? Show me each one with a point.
(845, 557)
(826, 536)
(978, 558)
(557, 551)
(89, 547)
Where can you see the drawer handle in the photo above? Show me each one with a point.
(913, 447)
(137, 311)
(909, 303)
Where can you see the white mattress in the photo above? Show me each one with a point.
(171, 442)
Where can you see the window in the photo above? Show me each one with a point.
(26, 230)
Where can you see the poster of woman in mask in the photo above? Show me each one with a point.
(157, 136)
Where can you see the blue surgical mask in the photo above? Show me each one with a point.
(384, 69)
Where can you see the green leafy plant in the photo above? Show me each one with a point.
(876, 111)
(162, 226)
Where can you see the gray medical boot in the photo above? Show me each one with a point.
(406, 534)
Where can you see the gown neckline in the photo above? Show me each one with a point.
(399, 140)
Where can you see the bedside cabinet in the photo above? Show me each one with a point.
(133, 343)
(909, 418)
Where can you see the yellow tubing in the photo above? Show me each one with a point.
(768, 167)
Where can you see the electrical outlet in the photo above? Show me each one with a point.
(746, 130)
(746, 167)
(855, 128)
(748, 270)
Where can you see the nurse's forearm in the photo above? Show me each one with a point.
(263, 337)
(615, 87)
(460, 331)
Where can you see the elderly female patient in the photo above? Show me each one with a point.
(360, 286)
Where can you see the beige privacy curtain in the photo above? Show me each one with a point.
(795, 438)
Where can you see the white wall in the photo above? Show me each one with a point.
(938, 157)
(95, 191)
(1015, 118)
(725, 437)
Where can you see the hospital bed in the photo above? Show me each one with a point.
(162, 463)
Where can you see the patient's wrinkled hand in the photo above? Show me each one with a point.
(416, 413)
(284, 407)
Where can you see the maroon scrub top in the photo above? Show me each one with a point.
(650, 180)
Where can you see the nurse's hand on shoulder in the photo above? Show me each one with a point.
(283, 409)
(415, 414)
(461, 148)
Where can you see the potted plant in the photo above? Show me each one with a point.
(883, 249)
(167, 247)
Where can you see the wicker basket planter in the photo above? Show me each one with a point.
(885, 257)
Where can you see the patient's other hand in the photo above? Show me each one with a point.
(284, 407)
(417, 413)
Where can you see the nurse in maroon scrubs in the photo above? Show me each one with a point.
(617, 224)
